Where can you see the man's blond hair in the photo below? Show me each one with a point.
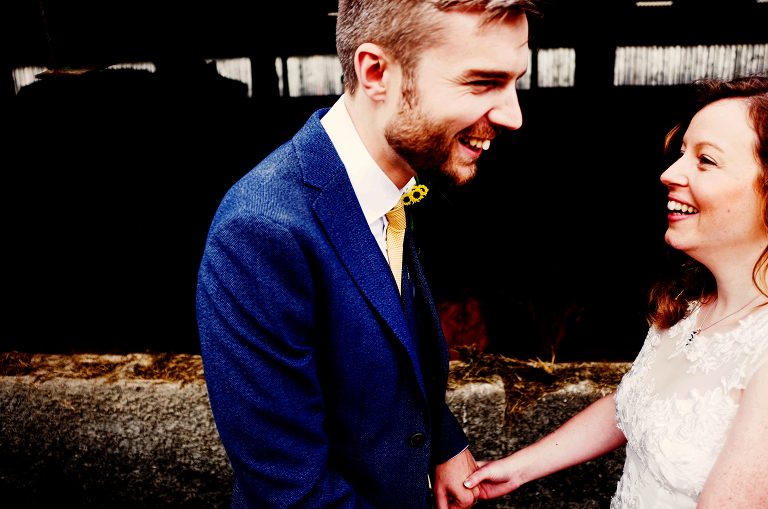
(405, 28)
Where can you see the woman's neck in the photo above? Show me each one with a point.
(736, 291)
(733, 276)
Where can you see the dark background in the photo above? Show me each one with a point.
(114, 176)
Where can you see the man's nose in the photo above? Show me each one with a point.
(506, 112)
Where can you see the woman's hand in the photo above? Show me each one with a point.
(587, 435)
(494, 478)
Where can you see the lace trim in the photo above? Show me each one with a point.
(749, 339)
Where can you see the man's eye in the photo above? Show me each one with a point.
(483, 83)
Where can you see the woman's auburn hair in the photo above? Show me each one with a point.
(671, 296)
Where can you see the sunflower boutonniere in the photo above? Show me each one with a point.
(415, 195)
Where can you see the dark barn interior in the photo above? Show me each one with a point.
(115, 175)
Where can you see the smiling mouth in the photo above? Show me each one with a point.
(678, 208)
(476, 143)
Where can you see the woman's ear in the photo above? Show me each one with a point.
(372, 66)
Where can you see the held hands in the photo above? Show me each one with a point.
(450, 492)
(493, 479)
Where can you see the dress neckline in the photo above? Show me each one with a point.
(693, 316)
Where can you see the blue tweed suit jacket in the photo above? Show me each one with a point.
(324, 393)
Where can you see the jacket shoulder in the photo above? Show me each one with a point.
(288, 178)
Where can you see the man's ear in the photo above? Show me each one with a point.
(374, 68)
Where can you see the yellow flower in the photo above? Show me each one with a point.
(416, 194)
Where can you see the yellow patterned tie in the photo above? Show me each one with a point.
(395, 236)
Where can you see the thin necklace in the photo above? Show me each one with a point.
(693, 333)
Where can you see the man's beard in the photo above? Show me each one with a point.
(428, 148)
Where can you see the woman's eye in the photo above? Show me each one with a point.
(706, 160)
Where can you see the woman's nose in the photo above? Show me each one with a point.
(674, 175)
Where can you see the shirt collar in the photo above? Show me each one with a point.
(376, 193)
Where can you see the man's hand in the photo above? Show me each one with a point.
(449, 482)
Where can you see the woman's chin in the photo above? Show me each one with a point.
(674, 241)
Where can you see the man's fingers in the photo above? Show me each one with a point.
(446, 499)
(464, 499)
(441, 497)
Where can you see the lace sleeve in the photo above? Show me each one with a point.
(756, 366)
(758, 356)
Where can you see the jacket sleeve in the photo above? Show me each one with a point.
(255, 308)
(452, 438)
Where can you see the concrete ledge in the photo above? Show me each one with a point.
(538, 398)
(137, 430)
(90, 431)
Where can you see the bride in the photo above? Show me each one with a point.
(693, 410)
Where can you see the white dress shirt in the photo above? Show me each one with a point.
(376, 193)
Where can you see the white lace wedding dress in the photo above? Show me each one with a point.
(676, 406)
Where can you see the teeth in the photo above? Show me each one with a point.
(677, 206)
(478, 143)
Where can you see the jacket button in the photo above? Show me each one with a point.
(418, 440)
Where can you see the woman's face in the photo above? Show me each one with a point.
(714, 208)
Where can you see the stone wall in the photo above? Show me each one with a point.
(137, 430)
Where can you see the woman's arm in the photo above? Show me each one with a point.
(587, 435)
(738, 478)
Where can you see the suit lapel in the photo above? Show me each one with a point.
(433, 348)
(338, 210)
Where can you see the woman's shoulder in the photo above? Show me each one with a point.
(754, 329)
(751, 338)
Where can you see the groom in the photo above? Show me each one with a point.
(326, 365)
